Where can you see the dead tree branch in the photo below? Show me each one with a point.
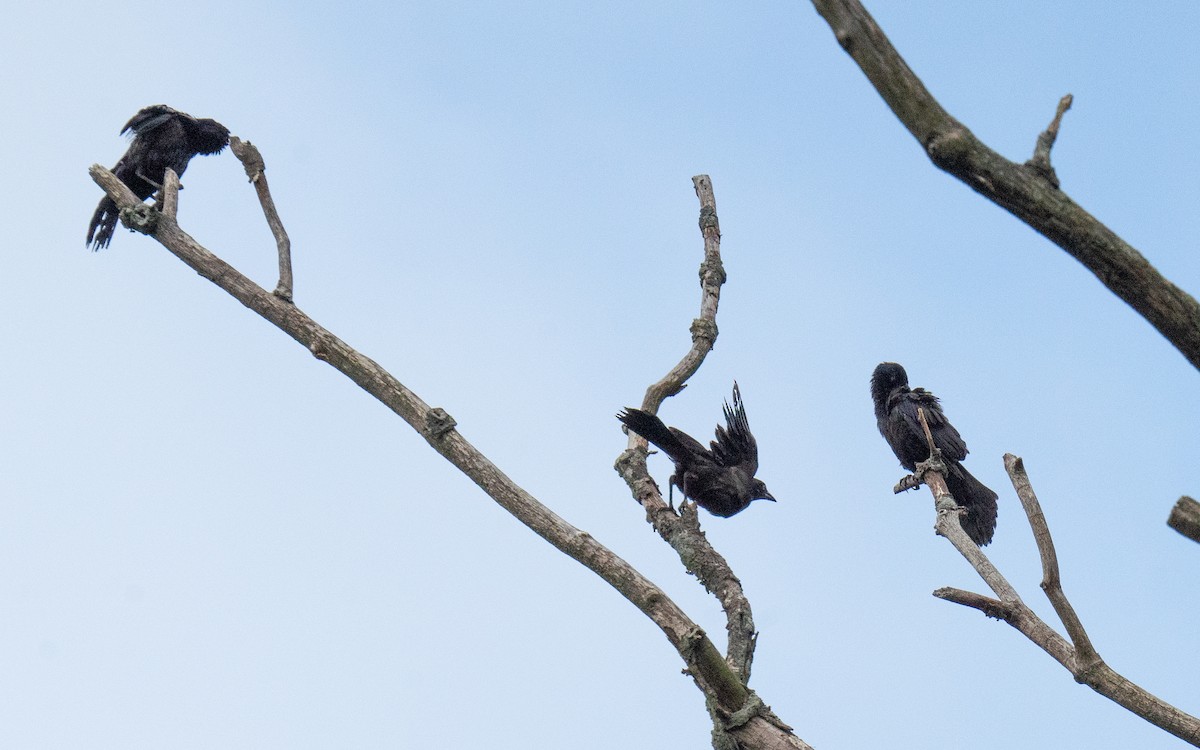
(256, 169)
(170, 193)
(711, 672)
(1077, 654)
(682, 531)
(1029, 191)
(1045, 142)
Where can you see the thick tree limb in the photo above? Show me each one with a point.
(1077, 655)
(703, 661)
(1185, 518)
(1029, 191)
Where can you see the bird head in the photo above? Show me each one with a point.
(761, 492)
(887, 376)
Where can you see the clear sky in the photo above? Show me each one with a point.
(209, 539)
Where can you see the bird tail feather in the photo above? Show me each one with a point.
(978, 500)
(653, 429)
(104, 223)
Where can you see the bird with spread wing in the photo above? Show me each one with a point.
(720, 478)
(162, 137)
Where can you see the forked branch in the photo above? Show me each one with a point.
(1077, 654)
(682, 531)
(1029, 191)
(256, 169)
(704, 663)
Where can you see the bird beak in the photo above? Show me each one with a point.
(768, 496)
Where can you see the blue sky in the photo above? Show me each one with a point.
(210, 539)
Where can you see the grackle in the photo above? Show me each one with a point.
(896, 414)
(162, 137)
(719, 479)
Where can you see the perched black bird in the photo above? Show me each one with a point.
(720, 480)
(162, 137)
(896, 414)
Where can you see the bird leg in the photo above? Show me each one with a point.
(935, 462)
(671, 484)
(910, 482)
(139, 173)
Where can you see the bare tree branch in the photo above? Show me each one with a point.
(1045, 142)
(1077, 655)
(256, 169)
(1185, 518)
(709, 670)
(682, 531)
(1028, 191)
(1086, 656)
(170, 193)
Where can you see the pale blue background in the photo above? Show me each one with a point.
(208, 539)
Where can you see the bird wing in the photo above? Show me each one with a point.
(735, 445)
(945, 436)
(149, 118)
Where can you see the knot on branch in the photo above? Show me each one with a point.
(690, 640)
(438, 422)
(625, 464)
(945, 503)
(844, 38)
(318, 349)
(713, 267)
(141, 218)
(752, 707)
(704, 329)
(949, 148)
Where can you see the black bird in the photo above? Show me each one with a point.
(162, 137)
(721, 479)
(896, 414)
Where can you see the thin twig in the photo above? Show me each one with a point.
(256, 169)
(1051, 580)
(1041, 152)
(704, 327)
